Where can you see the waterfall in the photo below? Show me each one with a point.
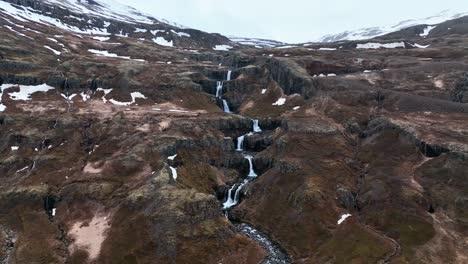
(240, 143)
(229, 201)
(251, 167)
(256, 127)
(226, 107)
(236, 195)
(229, 75)
(219, 89)
(174, 173)
(234, 200)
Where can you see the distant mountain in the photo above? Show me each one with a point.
(257, 43)
(372, 32)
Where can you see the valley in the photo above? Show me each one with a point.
(129, 139)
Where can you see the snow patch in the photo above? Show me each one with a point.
(373, 45)
(102, 39)
(84, 97)
(181, 34)
(222, 47)
(281, 101)
(163, 42)
(69, 97)
(25, 91)
(426, 31)
(134, 95)
(106, 53)
(416, 45)
(174, 173)
(343, 218)
(106, 92)
(18, 33)
(56, 52)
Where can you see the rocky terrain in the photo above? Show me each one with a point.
(117, 146)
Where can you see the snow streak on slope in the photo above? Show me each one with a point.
(23, 14)
(105, 8)
(372, 32)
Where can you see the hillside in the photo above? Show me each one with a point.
(129, 139)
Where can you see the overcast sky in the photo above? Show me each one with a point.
(291, 20)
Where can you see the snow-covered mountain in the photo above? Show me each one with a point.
(256, 42)
(372, 32)
(101, 19)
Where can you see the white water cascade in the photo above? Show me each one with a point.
(240, 141)
(233, 200)
(226, 107)
(256, 127)
(252, 173)
(232, 196)
(219, 89)
(219, 93)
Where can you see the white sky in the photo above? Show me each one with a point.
(291, 20)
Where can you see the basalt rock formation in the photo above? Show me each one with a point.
(115, 148)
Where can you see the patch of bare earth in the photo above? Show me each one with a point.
(89, 236)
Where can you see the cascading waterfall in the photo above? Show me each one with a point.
(232, 196)
(219, 93)
(251, 167)
(233, 200)
(226, 107)
(219, 89)
(256, 127)
(229, 201)
(240, 143)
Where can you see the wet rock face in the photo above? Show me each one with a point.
(290, 78)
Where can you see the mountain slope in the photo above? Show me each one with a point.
(103, 18)
(372, 32)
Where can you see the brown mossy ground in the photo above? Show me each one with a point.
(393, 169)
(37, 237)
(199, 176)
(261, 105)
(196, 101)
(353, 243)
(130, 240)
(409, 230)
(444, 179)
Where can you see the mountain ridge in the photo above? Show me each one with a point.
(372, 32)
